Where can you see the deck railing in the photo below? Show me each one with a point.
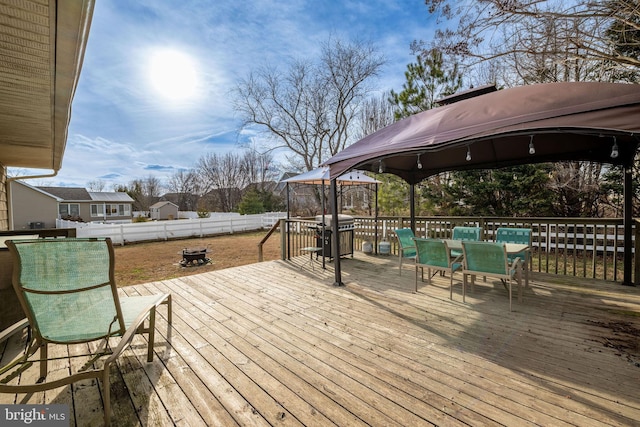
(582, 247)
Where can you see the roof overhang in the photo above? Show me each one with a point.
(42, 48)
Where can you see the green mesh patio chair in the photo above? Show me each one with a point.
(490, 259)
(517, 235)
(465, 233)
(67, 289)
(406, 245)
(433, 254)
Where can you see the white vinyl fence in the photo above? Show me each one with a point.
(166, 230)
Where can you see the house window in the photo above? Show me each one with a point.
(68, 209)
(97, 210)
(103, 210)
(124, 210)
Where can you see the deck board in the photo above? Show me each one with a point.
(276, 344)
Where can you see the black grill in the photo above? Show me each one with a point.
(346, 230)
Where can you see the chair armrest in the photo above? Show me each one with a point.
(18, 326)
(457, 259)
(132, 330)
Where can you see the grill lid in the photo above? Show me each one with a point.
(342, 219)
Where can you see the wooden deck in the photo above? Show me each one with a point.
(276, 344)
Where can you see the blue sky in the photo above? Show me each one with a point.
(126, 122)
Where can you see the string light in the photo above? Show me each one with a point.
(532, 149)
(381, 167)
(419, 164)
(468, 153)
(614, 149)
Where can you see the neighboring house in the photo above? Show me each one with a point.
(39, 207)
(356, 198)
(111, 206)
(185, 201)
(281, 186)
(31, 207)
(304, 199)
(221, 199)
(163, 210)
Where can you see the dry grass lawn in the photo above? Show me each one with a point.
(148, 262)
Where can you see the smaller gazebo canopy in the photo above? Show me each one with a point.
(320, 176)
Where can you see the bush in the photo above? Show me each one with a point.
(251, 203)
(202, 211)
(72, 218)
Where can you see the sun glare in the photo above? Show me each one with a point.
(173, 74)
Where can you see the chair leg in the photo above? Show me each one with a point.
(527, 261)
(44, 355)
(417, 278)
(400, 260)
(106, 388)
(152, 334)
(169, 309)
(520, 285)
(510, 294)
(451, 286)
(464, 287)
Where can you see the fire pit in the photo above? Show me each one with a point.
(194, 256)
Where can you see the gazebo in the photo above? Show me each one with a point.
(588, 121)
(320, 176)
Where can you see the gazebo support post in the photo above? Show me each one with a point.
(287, 230)
(627, 223)
(324, 227)
(375, 243)
(412, 206)
(336, 235)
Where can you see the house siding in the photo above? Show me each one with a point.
(34, 207)
(4, 206)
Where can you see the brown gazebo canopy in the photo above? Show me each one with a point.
(551, 122)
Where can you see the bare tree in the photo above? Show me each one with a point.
(145, 192)
(376, 113)
(259, 167)
(604, 33)
(577, 188)
(310, 108)
(185, 185)
(97, 185)
(222, 178)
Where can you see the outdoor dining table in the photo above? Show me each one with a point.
(512, 249)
